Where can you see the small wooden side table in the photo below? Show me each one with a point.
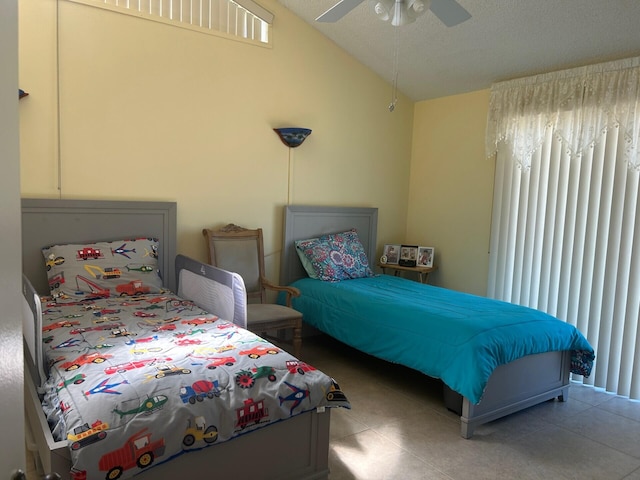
(423, 272)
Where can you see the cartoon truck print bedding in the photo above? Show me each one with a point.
(141, 389)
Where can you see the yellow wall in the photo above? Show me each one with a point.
(153, 112)
(451, 189)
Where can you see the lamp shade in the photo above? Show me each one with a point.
(292, 136)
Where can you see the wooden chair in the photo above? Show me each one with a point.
(241, 250)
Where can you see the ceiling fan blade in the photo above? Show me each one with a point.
(450, 12)
(338, 11)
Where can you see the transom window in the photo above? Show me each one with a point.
(244, 19)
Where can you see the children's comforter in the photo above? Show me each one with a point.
(138, 380)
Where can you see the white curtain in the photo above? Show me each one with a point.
(565, 235)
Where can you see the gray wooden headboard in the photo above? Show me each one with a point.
(304, 221)
(48, 222)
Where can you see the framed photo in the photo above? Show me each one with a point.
(425, 257)
(408, 255)
(391, 254)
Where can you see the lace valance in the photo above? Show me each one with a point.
(578, 105)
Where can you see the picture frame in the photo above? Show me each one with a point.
(425, 257)
(390, 254)
(408, 255)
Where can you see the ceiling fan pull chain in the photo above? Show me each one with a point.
(394, 96)
(394, 79)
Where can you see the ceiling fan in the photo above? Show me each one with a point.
(401, 12)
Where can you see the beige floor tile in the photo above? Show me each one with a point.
(623, 406)
(571, 455)
(590, 395)
(371, 456)
(615, 431)
(436, 440)
(344, 424)
(635, 475)
(555, 411)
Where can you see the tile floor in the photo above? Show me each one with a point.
(398, 429)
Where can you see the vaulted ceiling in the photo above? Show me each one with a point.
(503, 39)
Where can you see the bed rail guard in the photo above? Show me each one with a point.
(213, 289)
(32, 332)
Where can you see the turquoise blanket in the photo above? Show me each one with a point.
(457, 337)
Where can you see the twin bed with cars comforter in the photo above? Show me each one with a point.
(138, 375)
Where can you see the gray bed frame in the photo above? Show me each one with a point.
(512, 387)
(302, 442)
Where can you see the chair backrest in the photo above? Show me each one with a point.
(239, 250)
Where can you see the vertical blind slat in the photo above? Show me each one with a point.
(630, 355)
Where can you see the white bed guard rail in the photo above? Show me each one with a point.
(215, 290)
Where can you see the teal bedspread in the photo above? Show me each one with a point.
(457, 337)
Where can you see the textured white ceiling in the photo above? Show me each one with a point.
(504, 39)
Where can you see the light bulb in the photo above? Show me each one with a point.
(382, 9)
(418, 7)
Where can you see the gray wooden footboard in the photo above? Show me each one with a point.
(512, 387)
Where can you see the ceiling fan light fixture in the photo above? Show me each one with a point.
(399, 12)
(412, 9)
(449, 12)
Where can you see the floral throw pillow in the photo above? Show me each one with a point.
(103, 269)
(336, 257)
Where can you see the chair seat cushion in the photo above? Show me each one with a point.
(263, 313)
